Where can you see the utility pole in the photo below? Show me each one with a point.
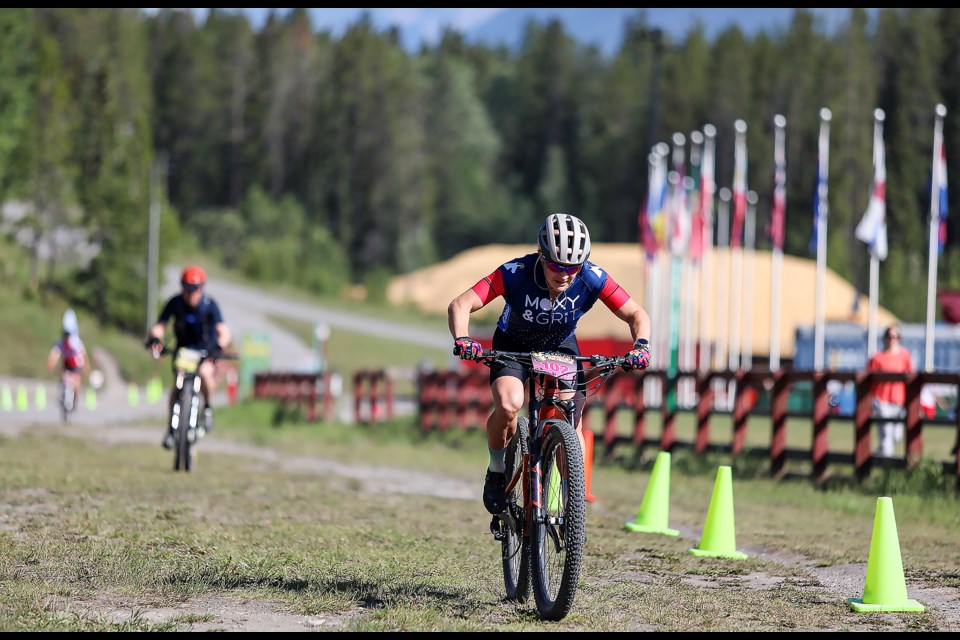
(157, 171)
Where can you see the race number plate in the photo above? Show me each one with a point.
(558, 365)
(187, 360)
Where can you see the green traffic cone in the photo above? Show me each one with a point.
(133, 395)
(719, 537)
(40, 397)
(553, 490)
(6, 398)
(91, 399)
(885, 588)
(654, 513)
(154, 390)
(22, 403)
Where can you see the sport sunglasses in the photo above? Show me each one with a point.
(560, 268)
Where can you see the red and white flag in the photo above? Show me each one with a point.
(872, 228)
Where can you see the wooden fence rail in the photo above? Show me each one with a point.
(461, 399)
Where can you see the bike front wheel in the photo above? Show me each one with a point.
(515, 544)
(183, 451)
(67, 397)
(559, 528)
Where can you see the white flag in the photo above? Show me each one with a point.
(872, 228)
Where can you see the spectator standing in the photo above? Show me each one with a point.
(889, 398)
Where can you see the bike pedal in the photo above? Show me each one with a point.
(496, 528)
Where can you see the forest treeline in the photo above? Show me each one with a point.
(295, 156)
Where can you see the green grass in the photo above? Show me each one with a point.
(31, 324)
(353, 351)
(111, 527)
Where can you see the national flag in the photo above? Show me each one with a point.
(778, 212)
(942, 211)
(707, 185)
(739, 189)
(695, 202)
(872, 228)
(820, 196)
(652, 212)
(679, 210)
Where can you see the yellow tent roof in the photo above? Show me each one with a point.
(431, 290)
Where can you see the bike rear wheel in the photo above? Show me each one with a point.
(558, 536)
(515, 544)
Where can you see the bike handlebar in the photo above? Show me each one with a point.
(489, 356)
(204, 353)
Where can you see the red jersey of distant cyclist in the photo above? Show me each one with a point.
(73, 352)
(529, 316)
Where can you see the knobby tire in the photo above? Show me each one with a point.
(67, 403)
(184, 453)
(558, 539)
(515, 546)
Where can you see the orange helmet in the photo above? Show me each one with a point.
(193, 277)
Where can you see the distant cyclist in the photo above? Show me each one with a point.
(197, 324)
(546, 293)
(70, 351)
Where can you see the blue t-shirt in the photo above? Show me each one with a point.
(193, 327)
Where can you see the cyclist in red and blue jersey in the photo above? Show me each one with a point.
(546, 294)
(197, 324)
(70, 351)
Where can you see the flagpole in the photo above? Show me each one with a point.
(723, 299)
(706, 212)
(749, 242)
(662, 335)
(776, 266)
(824, 155)
(693, 256)
(935, 184)
(676, 264)
(878, 117)
(653, 208)
(739, 211)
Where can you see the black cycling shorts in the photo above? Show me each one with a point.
(503, 342)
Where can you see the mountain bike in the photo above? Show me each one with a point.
(67, 396)
(542, 530)
(187, 406)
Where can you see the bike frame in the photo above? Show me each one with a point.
(540, 409)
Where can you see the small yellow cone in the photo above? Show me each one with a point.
(40, 397)
(6, 398)
(91, 399)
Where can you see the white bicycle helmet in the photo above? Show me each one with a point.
(564, 239)
(70, 324)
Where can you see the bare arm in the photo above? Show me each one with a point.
(636, 317)
(157, 330)
(52, 358)
(223, 335)
(459, 310)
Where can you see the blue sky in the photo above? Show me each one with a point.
(424, 24)
(600, 26)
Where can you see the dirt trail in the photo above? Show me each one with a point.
(229, 614)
